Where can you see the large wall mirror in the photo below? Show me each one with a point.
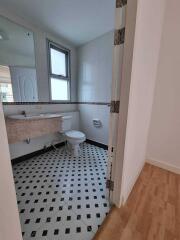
(18, 82)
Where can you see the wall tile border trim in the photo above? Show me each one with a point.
(51, 103)
(95, 103)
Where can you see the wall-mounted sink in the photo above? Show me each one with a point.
(35, 116)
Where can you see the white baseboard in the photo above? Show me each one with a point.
(163, 165)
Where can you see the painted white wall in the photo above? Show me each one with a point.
(9, 222)
(164, 134)
(40, 38)
(149, 23)
(94, 85)
(22, 148)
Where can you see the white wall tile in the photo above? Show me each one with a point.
(95, 69)
(87, 114)
(94, 85)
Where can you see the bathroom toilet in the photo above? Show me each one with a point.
(73, 137)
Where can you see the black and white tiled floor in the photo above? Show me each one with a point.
(60, 196)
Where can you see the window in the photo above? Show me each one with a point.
(59, 72)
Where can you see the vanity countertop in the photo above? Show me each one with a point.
(35, 116)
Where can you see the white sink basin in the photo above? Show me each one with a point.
(35, 116)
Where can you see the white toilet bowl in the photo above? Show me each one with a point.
(74, 138)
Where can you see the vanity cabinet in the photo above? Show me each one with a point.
(20, 130)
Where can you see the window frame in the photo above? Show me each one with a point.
(67, 52)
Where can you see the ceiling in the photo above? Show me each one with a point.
(78, 21)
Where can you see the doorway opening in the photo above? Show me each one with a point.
(60, 195)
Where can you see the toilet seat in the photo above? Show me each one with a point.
(75, 135)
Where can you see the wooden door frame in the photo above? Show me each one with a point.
(117, 165)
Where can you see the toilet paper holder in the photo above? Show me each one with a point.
(97, 123)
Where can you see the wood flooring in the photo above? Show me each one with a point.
(152, 211)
